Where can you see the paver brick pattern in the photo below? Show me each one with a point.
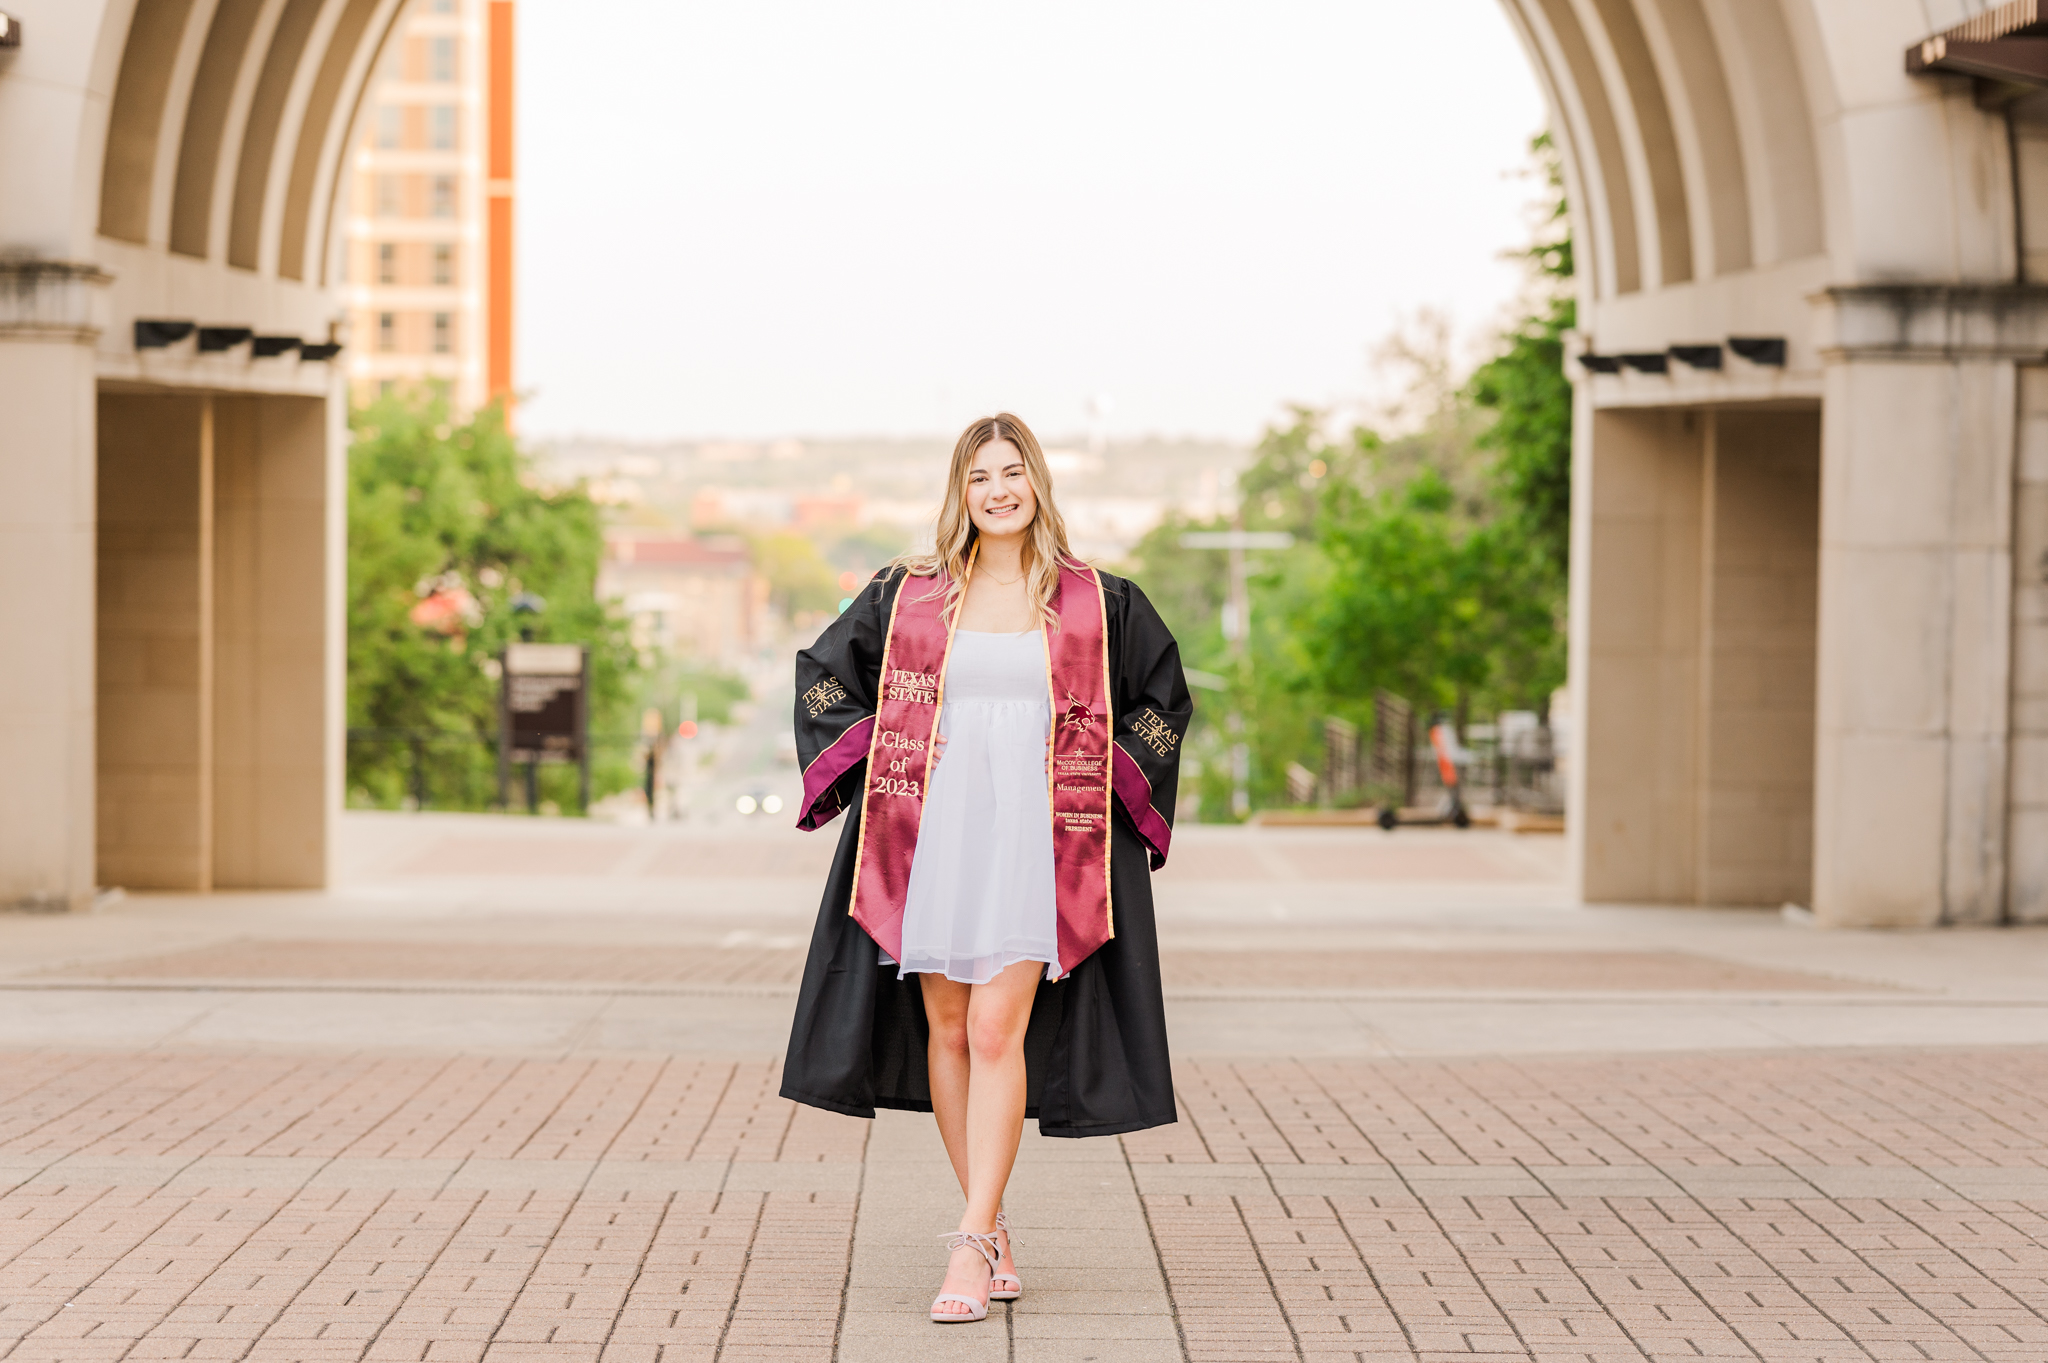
(1182, 967)
(1784, 1209)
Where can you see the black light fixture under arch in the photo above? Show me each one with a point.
(1764, 350)
(154, 333)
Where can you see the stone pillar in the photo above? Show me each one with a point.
(279, 650)
(2027, 876)
(156, 637)
(46, 562)
(1761, 543)
(1916, 575)
(1692, 655)
(219, 694)
(1635, 654)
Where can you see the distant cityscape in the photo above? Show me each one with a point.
(680, 514)
(1110, 494)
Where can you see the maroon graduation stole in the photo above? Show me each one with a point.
(911, 693)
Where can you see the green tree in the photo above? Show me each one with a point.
(1424, 603)
(1446, 587)
(1525, 388)
(447, 529)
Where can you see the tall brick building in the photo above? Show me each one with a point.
(429, 249)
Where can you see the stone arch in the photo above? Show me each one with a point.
(1688, 128)
(135, 121)
(269, 109)
(322, 143)
(1774, 123)
(228, 122)
(209, 118)
(1705, 134)
(1637, 89)
(1604, 209)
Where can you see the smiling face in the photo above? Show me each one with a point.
(1000, 501)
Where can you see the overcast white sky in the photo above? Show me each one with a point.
(752, 219)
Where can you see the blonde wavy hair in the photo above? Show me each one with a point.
(1045, 539)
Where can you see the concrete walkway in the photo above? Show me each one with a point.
(510, 1094)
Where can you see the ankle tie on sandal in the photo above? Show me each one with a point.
(961, 1239)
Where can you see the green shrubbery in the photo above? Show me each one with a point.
(446, 532)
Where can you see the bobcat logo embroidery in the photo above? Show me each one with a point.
(1078, 715)
(823, 697)
(1154, 733)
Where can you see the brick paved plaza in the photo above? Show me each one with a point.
(521, 1105)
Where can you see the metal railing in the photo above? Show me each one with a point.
(454, 769)
(1396, 766)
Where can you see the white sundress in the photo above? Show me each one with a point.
(981, 894)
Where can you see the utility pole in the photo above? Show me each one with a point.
(1237, 632)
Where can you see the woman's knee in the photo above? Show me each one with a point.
(945, 1012)
(949, 1032)
(994, 1035)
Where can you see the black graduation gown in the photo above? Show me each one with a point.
(1095, 1050)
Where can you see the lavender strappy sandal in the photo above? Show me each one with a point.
(977, 1308)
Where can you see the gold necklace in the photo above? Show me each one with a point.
(1005, 582)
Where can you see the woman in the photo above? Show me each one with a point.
(1003, 723)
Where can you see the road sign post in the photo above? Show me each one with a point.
(543, 716)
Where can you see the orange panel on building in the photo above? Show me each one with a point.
(499, 357)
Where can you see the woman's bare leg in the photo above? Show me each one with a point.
(946, 1063)
(981, 1119)
(997, 1014)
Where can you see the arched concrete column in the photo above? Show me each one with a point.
(146, 139)
(1692, 126)
(51, 311)
(47, 519)
(1885, 245)
(1929, 333)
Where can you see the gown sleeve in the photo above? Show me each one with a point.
(837, 679)
(1152, 713)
